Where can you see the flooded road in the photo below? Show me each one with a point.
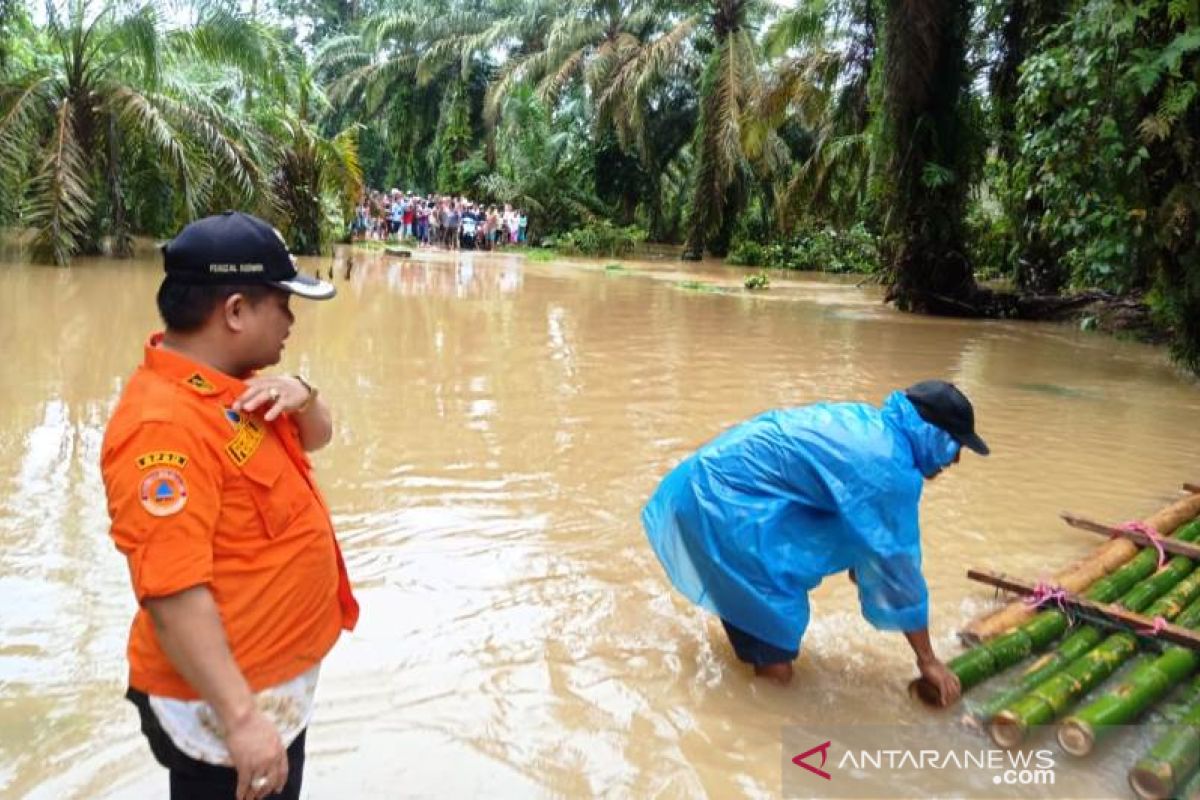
(499, 424)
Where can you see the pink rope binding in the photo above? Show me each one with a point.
(1158, 627)
(1150, 533)
(1044, 593)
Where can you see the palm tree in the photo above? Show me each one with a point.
(722, 174)
(107, 99)
(929, 155)
(415, 68)
(543, 164)
(1041, 268)
(313, 172)
(824, 54)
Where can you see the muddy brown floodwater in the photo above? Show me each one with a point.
(499, 425)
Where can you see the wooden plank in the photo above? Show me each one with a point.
(1171, 546)
(1100, 613)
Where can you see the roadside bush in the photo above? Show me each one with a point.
(600, 238)
(817, 249)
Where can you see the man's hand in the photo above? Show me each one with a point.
(935, 673)
(284, 393)
(276, 393)
(258, 756)
(189, 628)
(939, 676)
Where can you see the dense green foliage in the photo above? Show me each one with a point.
(114, 122)
(1048, 143)
(819, 249)
(600, 238)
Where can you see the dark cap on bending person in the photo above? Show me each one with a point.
(942, 404)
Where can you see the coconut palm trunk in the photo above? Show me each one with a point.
(729, 81)
(928, 158)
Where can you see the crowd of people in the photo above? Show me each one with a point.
(450, 222)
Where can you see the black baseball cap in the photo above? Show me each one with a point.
(941, 403)
(238, 248)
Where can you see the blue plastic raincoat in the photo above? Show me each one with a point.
(753, 520)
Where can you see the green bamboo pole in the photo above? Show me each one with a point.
(1138, 691)
(1173, 756)
(1086, 637)
(996, 655)
(1050, 698)
(1191, 788)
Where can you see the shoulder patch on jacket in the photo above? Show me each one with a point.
(163, 492)
(248, 435)
(200, 384)
(159, 458)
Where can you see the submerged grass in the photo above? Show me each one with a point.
(699, 286)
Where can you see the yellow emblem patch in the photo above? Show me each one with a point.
(200, 384)
(247, 437)
(162, 458)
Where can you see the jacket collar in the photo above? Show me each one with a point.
(176, 367)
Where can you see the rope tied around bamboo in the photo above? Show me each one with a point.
(1150, 533)
(1081, 574)
(1055, 693)
(998, 654)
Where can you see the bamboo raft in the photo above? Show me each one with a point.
(1132, 605)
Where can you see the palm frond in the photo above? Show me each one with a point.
(623, 101)
(136, 35)
(60, 201)
(22, 104)
(802, 26)
(139, 113)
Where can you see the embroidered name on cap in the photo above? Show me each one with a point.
(224, 269)
(162, 458)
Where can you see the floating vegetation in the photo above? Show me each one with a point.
(759, 280)
(699, 286)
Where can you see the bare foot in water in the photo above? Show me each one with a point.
(780, 673)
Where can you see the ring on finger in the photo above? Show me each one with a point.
(260, 782)
(273, 393)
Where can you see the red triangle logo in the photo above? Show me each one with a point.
(823, 749)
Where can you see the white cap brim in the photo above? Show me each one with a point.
(308, 287)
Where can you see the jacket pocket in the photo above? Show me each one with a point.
(276, 506)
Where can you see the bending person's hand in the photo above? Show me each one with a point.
(939, 676)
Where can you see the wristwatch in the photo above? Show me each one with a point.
(312, 395)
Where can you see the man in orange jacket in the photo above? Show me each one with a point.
(241, 586)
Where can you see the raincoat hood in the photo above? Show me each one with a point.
(932, 448)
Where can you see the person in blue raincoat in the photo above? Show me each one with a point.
(751, 522)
